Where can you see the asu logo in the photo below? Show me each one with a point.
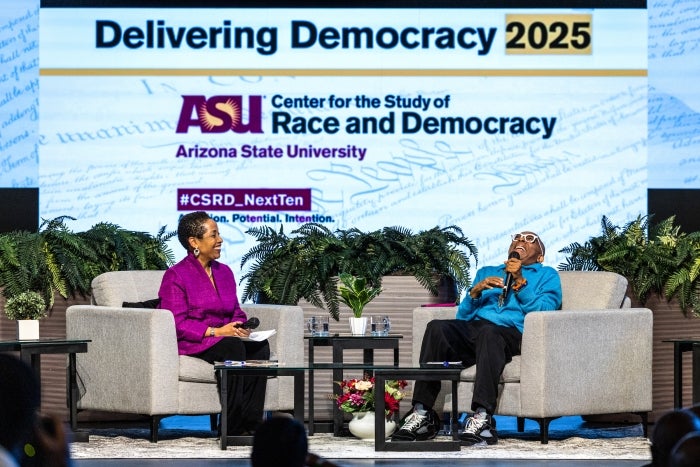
(219, 114)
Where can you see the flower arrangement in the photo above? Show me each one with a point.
(358, 395)
(26, 305)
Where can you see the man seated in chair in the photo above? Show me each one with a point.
(487, 332)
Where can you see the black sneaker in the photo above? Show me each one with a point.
(417, 427)
(479, 431)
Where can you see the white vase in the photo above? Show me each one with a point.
(362, 425)
(358, 326)
(27, 329)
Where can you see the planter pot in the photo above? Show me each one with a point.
(358, 326)
(27, 329)
(362, 425)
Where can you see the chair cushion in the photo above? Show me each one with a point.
(196, 370)
(511, 373)
(116, 287)
(592, 290)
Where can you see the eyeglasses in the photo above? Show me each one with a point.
(525, 237)
(529, 238)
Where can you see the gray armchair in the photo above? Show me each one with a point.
(132, 364)
(591, 357)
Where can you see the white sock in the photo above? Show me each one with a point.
(420, 409)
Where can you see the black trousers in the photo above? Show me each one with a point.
(480, 342)
(246, 394)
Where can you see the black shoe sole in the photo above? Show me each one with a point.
(471, 442)
(418, 438)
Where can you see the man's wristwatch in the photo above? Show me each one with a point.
(212, 332)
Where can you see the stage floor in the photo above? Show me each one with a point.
(367, 463)
(187, 441)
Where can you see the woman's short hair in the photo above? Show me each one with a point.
(191, 225)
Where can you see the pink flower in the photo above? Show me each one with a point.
(358, 395)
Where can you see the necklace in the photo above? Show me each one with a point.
(210, 273)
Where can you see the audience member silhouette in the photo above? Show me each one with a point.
(686, 452)
(282, 442)
(27, 439)
(694, 409)
(668, 430)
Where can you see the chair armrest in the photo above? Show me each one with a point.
(287, 344)
(586, 362)
(421, 317)
(288, 321)
(131, 365)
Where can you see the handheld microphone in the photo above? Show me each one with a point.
(252, 323)
(509, 279)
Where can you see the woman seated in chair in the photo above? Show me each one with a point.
(201, 293)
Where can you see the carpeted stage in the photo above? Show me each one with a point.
(570, 438)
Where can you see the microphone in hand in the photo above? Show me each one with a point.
(508, 280)
(252, 323)
(509, 277)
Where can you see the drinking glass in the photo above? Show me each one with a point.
(318, 326)
(379, 325)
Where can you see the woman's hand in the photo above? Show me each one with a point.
(233, 329)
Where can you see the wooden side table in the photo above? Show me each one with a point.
(681, 345)
(433, 373)
(341, 342)
(272, 370)
(30, 351)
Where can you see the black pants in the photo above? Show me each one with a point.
(480, 342)
(246, 394)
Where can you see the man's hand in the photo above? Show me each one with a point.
(488, 283)
(514, 267)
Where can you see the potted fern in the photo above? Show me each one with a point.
(27, 308)
(55, 261)
(307, 263)
(662, 267)
(355, 292)
(657, 259)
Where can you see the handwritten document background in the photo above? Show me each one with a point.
(600, 160)
(19, 93)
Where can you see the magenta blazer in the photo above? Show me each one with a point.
(196, 305)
